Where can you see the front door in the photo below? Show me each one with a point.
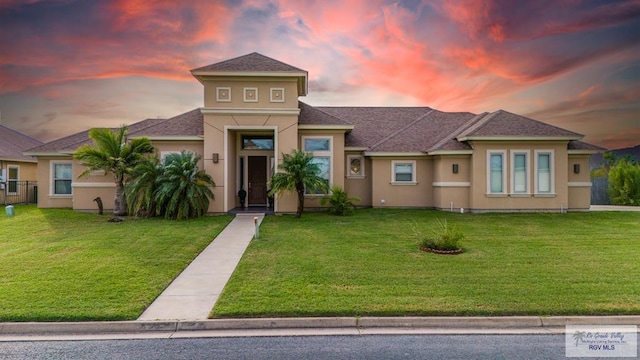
(257, 179)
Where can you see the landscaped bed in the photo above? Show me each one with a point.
(369, 264)
(61, 265)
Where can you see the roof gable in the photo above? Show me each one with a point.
(253, 62)
(502, 123)
(14, 143)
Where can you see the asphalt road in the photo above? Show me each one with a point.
(513, 347)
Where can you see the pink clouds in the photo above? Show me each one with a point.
(462, 55)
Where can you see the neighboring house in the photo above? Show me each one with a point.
(387, 156)
(17, 171)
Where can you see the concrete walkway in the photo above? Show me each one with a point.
(193, 293)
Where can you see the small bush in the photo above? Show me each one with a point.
(443, 237)
(339, 202)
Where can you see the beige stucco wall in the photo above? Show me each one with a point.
(359, 186)
(481, 201)
(415, 195)
(579, 183)
(237, 85)
(451, 189)
(225, 172)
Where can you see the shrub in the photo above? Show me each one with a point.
(624, 183)
(339, 202)
(183, 191)
(442, 237)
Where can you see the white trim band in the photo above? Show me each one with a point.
(251, 111)
(93, 184)
(580, 184)
(451, 184)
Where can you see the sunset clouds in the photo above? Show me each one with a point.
(66, 65)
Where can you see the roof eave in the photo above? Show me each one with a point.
(302, 76)
(450, 152)
(50, 153)
(345, 128)
(171, 137)
(395, 154)
(519, 138)
(584, 151)
(9, 159)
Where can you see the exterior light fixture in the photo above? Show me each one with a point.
(576, 168)
(455, 168)
(214, 157)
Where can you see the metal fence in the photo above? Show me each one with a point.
(19, 192)
(599, 191)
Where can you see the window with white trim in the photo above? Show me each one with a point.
(62, 173)
(496, 174)
(321, 149)
(520, 172)
(12, 179)
(544, 172)
(403, 172)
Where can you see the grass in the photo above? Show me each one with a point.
(368, 265)
(61, 265)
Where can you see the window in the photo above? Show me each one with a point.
(544, 173)
(12, 179)
(355, 166)
(62, 173)
(496, 174)
(519, 172)
(320, 147)
(257, 142)
(403, 172)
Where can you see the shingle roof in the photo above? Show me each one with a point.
(579, 145)
(250, 62)
(388, 129)
(504, 123)
(378, 129)
(69, 144)
(190, 123)
(14, 143)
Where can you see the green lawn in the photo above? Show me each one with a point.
(61, 265)
(368, 264)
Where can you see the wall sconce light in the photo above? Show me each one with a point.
(214, 157)
(576, 168)
(455, 168)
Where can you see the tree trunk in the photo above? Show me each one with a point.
(300, 202)
(119, 207)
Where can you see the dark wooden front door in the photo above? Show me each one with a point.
(257, 180)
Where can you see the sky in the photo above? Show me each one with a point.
(70, 65)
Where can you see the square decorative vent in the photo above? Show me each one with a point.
(277, 94)
(250, 94)
(223, 94)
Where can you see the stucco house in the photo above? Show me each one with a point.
(387, 156)
(17, 171)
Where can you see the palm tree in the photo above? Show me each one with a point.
(183, 191)
(139, 192)
(300, 172)
(113, 154)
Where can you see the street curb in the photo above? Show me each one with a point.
(131, 327)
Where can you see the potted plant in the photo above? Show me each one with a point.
(242, 194)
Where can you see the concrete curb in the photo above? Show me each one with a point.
(132, 327)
